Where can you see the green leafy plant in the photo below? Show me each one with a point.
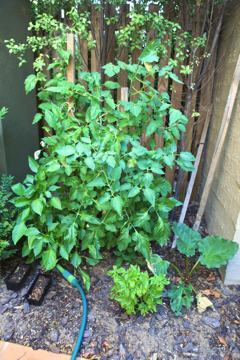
(7, 217)
(135, 290)
(96, 185)
(213, 252)
(181, 295)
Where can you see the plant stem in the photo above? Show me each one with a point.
(177, 270)
(193, 268)
(186, 266)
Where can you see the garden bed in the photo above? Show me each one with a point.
(111, 334)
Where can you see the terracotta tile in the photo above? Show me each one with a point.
(10, 351)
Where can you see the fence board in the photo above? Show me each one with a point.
(95, 31)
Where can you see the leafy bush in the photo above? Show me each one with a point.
(96, 185)
(135, 290)
(214, 252)
(7, 217)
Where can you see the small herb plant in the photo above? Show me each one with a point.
(212, 251)
(135, 290)
(7, 217)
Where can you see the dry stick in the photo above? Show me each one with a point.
(220, 141)
(194, 173)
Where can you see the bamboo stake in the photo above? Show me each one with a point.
(220, 141)
(194, 173)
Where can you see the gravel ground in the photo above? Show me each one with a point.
(111, 334)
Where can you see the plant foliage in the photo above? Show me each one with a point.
(96, 185)
(7, 217)
(135, 290)
(213, 252)
(180, 296)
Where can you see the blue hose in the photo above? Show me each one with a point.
(74, 282)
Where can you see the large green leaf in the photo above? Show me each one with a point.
(180, 296)
(111, 70)
(124, 240)
(141, 218)
(117, 204)
(157, 265)
(18, 189)
(187, 239)
(97, 182)
(49, 259)
(133, 192)
(19, 231)
(66, 150)
(185, 161)
(90, 163)
(76, 259)
(149, 54)
(216, 251)
(161, 232)
(37, 206)
(33, 164)
(56, 203)
(142, 244)
(30, 83)
(150, 196)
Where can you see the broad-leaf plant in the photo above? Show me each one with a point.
(211, 252)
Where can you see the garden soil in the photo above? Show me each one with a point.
(111, 334)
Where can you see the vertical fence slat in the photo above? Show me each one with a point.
(83, 50)
(95, 31)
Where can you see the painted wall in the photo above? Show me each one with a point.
(223, 206)
(18, 138)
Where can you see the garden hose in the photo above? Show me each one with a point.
(74, 282)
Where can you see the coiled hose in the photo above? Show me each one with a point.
(74, 282)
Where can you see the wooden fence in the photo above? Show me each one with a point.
(193, 96)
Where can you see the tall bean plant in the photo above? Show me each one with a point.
(96, 185)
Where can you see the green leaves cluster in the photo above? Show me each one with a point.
(135, 290)
(180, 296)
(7, 217)
(215, 251)
(96, 185)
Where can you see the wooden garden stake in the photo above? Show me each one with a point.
(71, 69)
(220, 141)
(71, 64)
(194, 173)
(123, 96)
